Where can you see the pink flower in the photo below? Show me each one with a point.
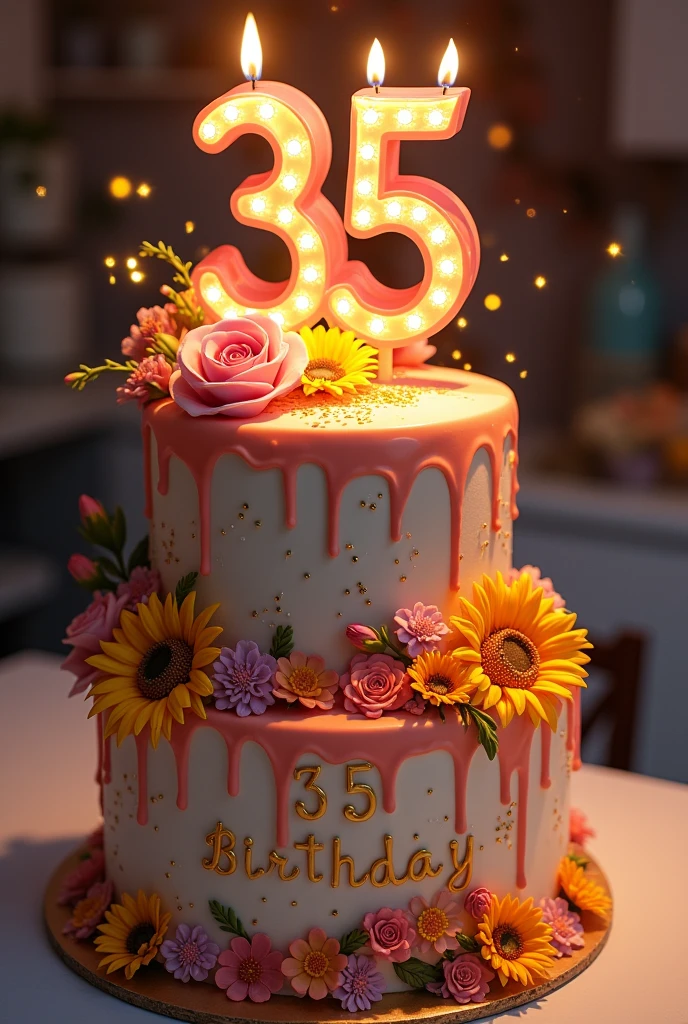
(414, 354)
(304, 678)
(78, 882)
(250, 969)
(435, 923)
(89, 911)
(84, 634)
(138, 588)
(567, 930)
(375, 683)
(142, 335)
(466, 979)
(94, 841)
(390, 934)
(237, 367)
(89, 508)
(579, 827)
(315, 966)
(364, 638)
(421, 628)
(82, 568)
(150, 379)
(538, 581)
(415, 706)
(477, 903)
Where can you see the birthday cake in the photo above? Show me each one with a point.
(336, 727)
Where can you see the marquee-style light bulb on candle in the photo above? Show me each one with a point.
(449, 67)
(251, 51)
(376, 65)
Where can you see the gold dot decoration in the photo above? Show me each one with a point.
(244, 506)
(258, 523)
(263, 899)
(416, 836)
(167, 874)
(430, 792)
(294, 903)
(306, 575)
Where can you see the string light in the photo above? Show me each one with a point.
(213, 293)
(266, 111)
(289, 182)
(208, 131)
(310, 274)
(492, 302)
(112, 279)
(414, 321)
(394, 209)
(109, 261)
(540, 281)
(343, 306)
(456, 354)
(523, 374)
(510, 357)
(132, 263)
(504, 258)
(136, 276)
(468, 366)
(462, 323)
(41, 191)
(120, 187)
(189, 226)
(531, 212)
(258, 205)
(144, 190)
(438, 235)
(230, 112)
(614, 249)
(367, 151)
(377, 325)
(500, 136)
(294, 147)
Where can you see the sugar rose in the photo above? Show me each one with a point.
(390, 934)
(237, 367)
(375, 683)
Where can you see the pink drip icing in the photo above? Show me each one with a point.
(335, 738)
(514, 756)
(142, 741)
(546, 738)
(573, 736)
(342, 455)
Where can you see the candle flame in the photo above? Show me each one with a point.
(376, 64)
(449, 66)
(251, 50)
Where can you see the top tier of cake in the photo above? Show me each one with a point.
(326, 511)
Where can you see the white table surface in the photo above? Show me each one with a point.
(48, 801)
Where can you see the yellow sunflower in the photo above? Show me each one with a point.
(133, 933)
(439, 679)
(582, 891)
(338, 362)
(515, 940)
(154, 667)
(517, 652)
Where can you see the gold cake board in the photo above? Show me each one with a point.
(154, 989)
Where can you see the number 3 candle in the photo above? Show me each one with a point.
(286, 200)
(380, 199)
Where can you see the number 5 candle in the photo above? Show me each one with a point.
(381, 199)
(285, 200)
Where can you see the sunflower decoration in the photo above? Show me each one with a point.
(154, 668)
(517, 652)
(515, 940)
(581, 891)
(133, 933)
(439, 679)
(338, 362)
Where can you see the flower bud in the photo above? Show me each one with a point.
(83, 569)
(89, 508)
(365, 638)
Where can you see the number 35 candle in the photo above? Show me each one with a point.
(288, 201)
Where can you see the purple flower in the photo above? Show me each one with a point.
(466, 979)
(190, 954)
(477, 903)
(421, 628)
(567, 930)
(361, 984)
(243, 679)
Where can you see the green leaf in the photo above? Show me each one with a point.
(139, 556)
(282, 642)
(352, 941)
(98, 531)
(440, 711)
(108, 566)
(487, 730)
(579, 858)
(417, 973)
(227, 919)
(119, 530)
(467, 942)
(185, 586)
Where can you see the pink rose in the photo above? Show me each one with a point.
(84, 634)
(466, 979)
(237, 367)
(375, 683)
(477, 903)
(390, 934)
(138, 588)
(414, 354)
(82, 568)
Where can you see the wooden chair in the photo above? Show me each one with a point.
(621, 659)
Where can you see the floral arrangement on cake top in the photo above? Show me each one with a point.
(453, 946)
(234, 366)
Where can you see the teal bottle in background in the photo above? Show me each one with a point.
(625, 316)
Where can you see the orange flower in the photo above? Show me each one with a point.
(133, 933)
(515, 940)
(303, 677)
(582, 891)
(314, 967)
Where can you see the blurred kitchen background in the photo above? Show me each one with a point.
(574, 163)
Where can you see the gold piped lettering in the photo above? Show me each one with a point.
(311, 848)
(386, 864)
(280, 863)
(311, 787)
(251, 872)
(338, 860)
(420, 867)
(463, 869)
(353, 787)
(216, 839)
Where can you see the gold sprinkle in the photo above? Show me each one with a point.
(380, 495)
(241, 515)
(223, 532)
(179, 906)
(294, 903)
(339, 615)
(159, 796)
(362, 504)
(369, 602)
(373, 506)
(430, 792)
(347, 591)
(278, 609)
(288, 554)
(446, 817)
(156, 828)
(173, 863)
(354, 558)
(263, 899)
(167, 874)
(306, 575)
(154, 799)
(244, 506)
(349, 547)
(335, 913)
(277, 598)
(254, 614)
(254, 921)
(481, 847)
(396, 561)
(416, 836)
(402, 579)
(258, 523)
(191, 905)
